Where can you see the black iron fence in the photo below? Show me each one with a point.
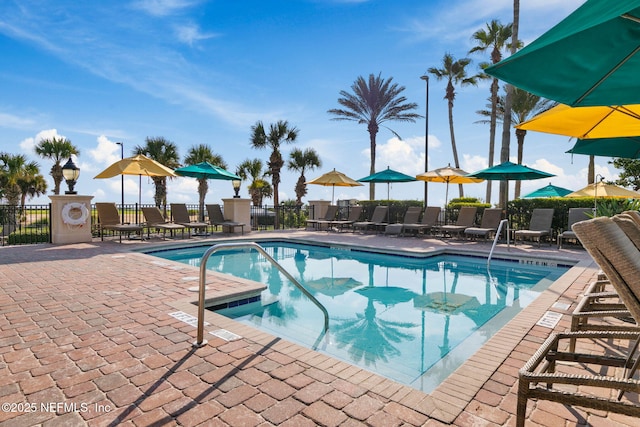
(19, 226)
(32, 224)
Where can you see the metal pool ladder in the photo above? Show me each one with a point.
(495, 239)
(200, 341)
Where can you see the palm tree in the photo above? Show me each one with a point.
(506, 125)
(56, 149)
(301, 161)
(495, 37)
(373, 103)
(525, 105)
(259, 187)
(455, 73)
(17, 175)
(279, 133)
(199, 154)
(166, 153)
(32, 184)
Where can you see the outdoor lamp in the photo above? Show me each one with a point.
(70, 172)
(236, 187)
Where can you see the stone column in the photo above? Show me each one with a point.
(319, 208)
(238, 210)
(70, 219)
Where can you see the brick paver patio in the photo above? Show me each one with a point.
(86, 338)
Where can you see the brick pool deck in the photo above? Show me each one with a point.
(86, 338)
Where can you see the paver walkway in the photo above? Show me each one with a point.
(87, 338)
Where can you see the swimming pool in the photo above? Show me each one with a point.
(413, 319)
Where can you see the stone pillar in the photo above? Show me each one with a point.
(319, 208)
(238, 210)
(70, 219)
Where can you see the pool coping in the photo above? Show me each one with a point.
(449, 399)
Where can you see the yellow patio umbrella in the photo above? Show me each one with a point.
(587, 122)
(605, 191)
(448, 175)
(334, 179)
(136, 165)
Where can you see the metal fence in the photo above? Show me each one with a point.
(32, 224)
(20, 226)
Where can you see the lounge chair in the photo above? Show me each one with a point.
(575, 215)
(354, 215)
(109, 219)
(378, 219)
(329, 215)
(155, 220)
(590, 379)
(411, 216)
(466, 219)
(429, 220)
(488, 225)
(602, 305)
(181, 216)
(216, 218)
(539, 226)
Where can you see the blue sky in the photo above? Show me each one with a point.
(204, 71)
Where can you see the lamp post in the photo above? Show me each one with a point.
(121, 144)
(236, 187)
(426, 137)
(70, 173)
(595, 193)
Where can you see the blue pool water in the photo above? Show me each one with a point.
(411, 319)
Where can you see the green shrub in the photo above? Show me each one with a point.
(18, 238)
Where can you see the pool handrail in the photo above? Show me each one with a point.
(200, 341)
(495, 239)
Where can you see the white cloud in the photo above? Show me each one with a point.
(106, 151)
(27, 145)
(163, 7)
(12, 121)
(189, 34)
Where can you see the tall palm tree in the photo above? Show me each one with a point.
(199, 154)
(506, 125)
(56, 149)
(165, 152)
(301, 161)
(454, 71)
(495, 37)
(372, 103)
(524, 106)
(259, 187)
(279, 133)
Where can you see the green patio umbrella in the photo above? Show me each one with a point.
(547, 191)
(508, 171)
(589, 58)
(388, 175)
(625, 147)
(206, 170)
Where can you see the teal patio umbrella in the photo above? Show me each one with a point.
(203, 171)
(589, 58)
(625, 147)
(389, 176)
(548, 191)
(508, 171)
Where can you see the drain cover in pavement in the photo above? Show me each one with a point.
(225, 335)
